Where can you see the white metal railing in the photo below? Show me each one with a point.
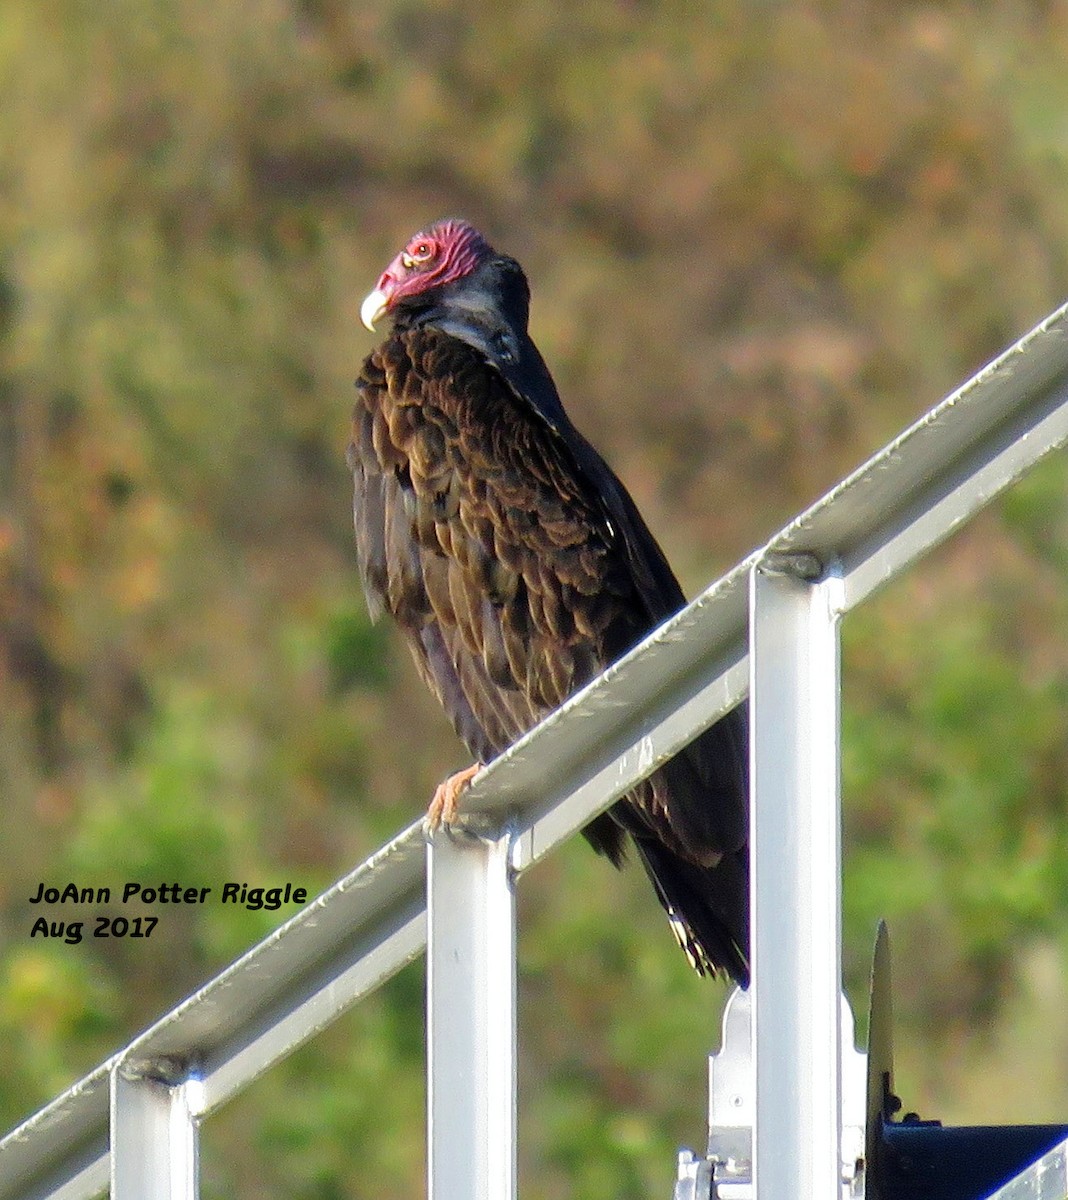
(769, 627)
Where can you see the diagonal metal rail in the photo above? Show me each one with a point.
(686, 675)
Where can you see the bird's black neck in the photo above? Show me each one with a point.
(488, 310)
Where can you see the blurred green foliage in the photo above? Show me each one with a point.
(761, 238)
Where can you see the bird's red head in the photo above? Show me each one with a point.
(441, 254)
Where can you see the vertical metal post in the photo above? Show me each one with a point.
(796, 884)
(471, 1019)
(154, 1137)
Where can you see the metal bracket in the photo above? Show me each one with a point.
(474, 828)
(170, 1070)
(796, 564)
(694, 1180)
(726, 1170)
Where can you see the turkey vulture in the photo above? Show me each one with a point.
(518, 567)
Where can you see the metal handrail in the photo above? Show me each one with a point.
(788, 597)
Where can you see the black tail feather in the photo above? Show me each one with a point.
(708, 907)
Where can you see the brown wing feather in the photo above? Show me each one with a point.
(465, 516)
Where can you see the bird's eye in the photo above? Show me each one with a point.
(422, 252)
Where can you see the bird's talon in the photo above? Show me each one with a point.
(444, 808)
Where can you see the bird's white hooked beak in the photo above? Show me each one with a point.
(373, 307)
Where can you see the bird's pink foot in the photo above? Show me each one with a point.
(445, 805)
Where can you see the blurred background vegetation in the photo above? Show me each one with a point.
(762, 237)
